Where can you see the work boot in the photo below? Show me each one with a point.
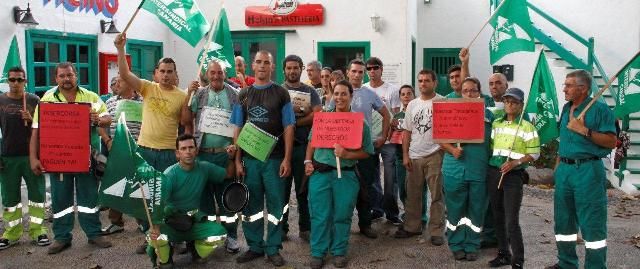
(276, 260)
(249, 256)
(58, 247)
(316, 263)
(368, 232)
(231, 245)
(471, 256)
(459, 255)
(402, 233)
(437, 240)
(501, 260)
(100, 242)
(340, 261)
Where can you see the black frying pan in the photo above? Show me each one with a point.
(235, 197)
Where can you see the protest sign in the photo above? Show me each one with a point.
(458, 121)
(344, 128)
(376, 124)
(257, 142)
(133, 110)
(216, 121)
(64, 137)
(300, 99)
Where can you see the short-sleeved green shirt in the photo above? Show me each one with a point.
(576, 146)
(182, 190)
(472, 165)
(216, 100)
(326, 155)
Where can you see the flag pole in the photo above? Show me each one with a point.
(154, 243)
(485, 23)
(132, 17)
(205, 50)
(524, 103)
(606, 86)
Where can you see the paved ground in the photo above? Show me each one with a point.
(384, 252)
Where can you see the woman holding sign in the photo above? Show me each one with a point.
(332, 197)
(464, 169)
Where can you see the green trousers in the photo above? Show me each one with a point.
(159, 159)
(62, 201)
(297, 175)
(264, 182)
(466, 202)
(212, 196)
(331, 204)
(580, 201)
(15, 169)
(207, 236)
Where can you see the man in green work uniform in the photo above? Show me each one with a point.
(85, 185)
(182, 189)
(580, 198)
(213, 147)
(457, 73)
(15, 121)
(464, 169)
(267, 106)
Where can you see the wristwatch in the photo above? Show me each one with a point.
(307, 161)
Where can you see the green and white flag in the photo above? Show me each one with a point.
(13, 60)
(543, 101)
(126, 168)
(629, 89)
(221, 49)
(183, 17)
(513, 30)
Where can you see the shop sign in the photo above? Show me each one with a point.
(107, 7)
(300, 14)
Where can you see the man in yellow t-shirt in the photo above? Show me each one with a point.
(160, 110)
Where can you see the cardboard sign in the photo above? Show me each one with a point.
(216, 121)
(300, 99)
(132, 110)
(344, 128)
(376, 124)
(458, 121)
(396, 137)
(257, 142)
(64, 137)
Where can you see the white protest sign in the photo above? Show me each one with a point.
(216, 121)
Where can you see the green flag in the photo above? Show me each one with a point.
(543, 101)
(221, 49)
(183, 17)
(126, 168)
(629, 89)
(13, 60)
(513, 30)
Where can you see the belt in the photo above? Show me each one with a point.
(578, 161)
(152, 149)
(213, 150)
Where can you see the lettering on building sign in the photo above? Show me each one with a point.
(283, 7)
(106, 7)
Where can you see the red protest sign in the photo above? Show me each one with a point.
(344, 128)
(64, 137)
(458, 121)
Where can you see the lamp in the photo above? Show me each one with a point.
(112, 27)
(28, 17)
(375, 22)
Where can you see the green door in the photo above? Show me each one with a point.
(45, 49)
(144, 57)
(337, 55)
(439, 60)
(247, 44)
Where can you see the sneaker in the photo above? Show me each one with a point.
(555, 266)
(375, 216)
(501, 260)
(368, 232)
(459, 255)
(142, 248)
(471, 256)
(5, 243)
(437, 240)
(43, 240)
(340, 261)
(249, 256)
(276, 260)
(316, 263)
(402, 233)
(395, 221)
(100, 242)
(181, 248)
(112, 229)
(231, 245)
(58, 247)
(305, 235)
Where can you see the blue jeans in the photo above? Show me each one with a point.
(390, 196)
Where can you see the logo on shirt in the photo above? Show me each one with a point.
(258, 113)
(422, 121)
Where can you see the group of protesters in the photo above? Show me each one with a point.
(470, 192)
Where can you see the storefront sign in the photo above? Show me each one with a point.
(64, 137)
(305, 14)
(458, 121)
(216, 121)
(107, 7)
(344, 128)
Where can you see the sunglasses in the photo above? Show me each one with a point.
(375, 67)
(16, 79)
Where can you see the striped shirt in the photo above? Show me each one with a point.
(503, 133)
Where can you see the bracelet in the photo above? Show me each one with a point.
(307, 161)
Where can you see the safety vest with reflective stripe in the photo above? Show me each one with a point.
(503, 133)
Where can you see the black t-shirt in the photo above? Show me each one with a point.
(302, 132)
(264, 108)
(15, 136)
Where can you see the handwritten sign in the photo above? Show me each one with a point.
(132, 110)
(458, 121)
(376, 124)
(64, 137)
(300, 99)
(257, 142)
(216, 121)
(344, 128)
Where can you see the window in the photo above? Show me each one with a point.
(439, 60)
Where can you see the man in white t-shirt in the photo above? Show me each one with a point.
(423, 160)
(385, 203)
